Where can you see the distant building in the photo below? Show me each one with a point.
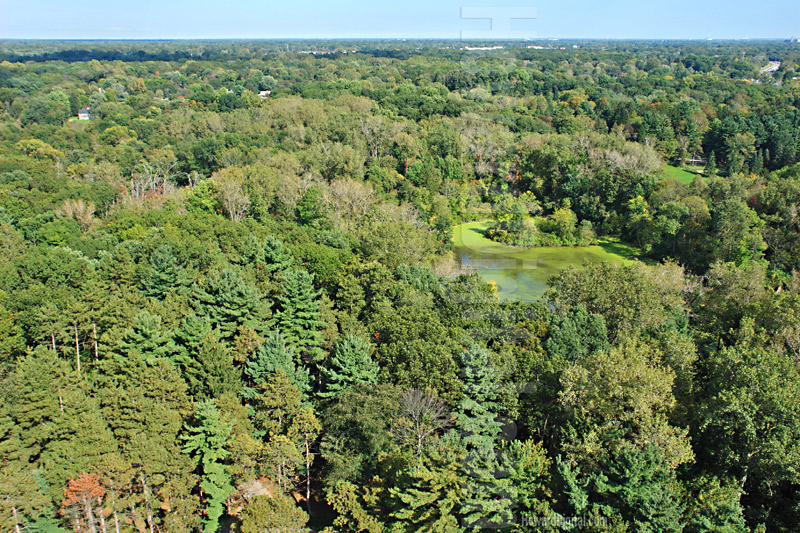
(264, 94)
(498, 47)
(84, 114)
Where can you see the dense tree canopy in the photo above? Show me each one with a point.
(228, 299)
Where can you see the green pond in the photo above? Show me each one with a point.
(522, 273)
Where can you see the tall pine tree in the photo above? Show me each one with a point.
(350, 364)
(487, 495)
(206, 442)
(299, 317)
(271, 356)
(229, 303)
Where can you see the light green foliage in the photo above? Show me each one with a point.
(415, 349)
(274, 355)
(288, 425)
(428, 495)
(621, 451)
(204, 198)
(714, 505)
(272, 513)
(350, 364)
(314, 269)
(487, 500)
(206, 441)
(632, 298)
(353, 509)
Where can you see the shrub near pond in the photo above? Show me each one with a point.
(558, 229)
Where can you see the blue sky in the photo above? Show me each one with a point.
(183, 19)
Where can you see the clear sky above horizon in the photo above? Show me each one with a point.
(185, 19)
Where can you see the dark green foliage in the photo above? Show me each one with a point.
(146, 339)
(575, 333)
(274, 355)
(269, 255)
(747, 425)
(165, 274)
(209, 369)
(350, 364)
(205, 441)
(310, 209)
(416, 349)
(174, 272)
(641, 488)
(487, 499)
(357, 428)
(299, 316)
(230, 302)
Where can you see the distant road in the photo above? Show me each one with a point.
(772, 67)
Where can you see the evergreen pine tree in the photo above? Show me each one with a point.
(190, 335)
(206, 363)
(229, 302)
(144, 406)
(641, 486)
(21, 500)
(477, 414)
(206, 442)
(269, 255)
(428, 496)
(289, 425)
(714, 505)
(81, 440)
(213, 373)
(711, 165)
(276, 257)
(147, 339)
(350, 364)
(271, 356)
(487, 501)
(36, 394)
(299, 317)
(164, 275)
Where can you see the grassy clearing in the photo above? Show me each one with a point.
(679, 174)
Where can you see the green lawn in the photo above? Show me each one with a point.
(679, 174)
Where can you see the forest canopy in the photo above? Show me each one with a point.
(229, 299)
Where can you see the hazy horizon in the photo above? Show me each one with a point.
(359, 19)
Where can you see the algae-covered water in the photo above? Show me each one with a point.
(522, 273)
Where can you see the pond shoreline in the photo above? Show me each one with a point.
(520, 272)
